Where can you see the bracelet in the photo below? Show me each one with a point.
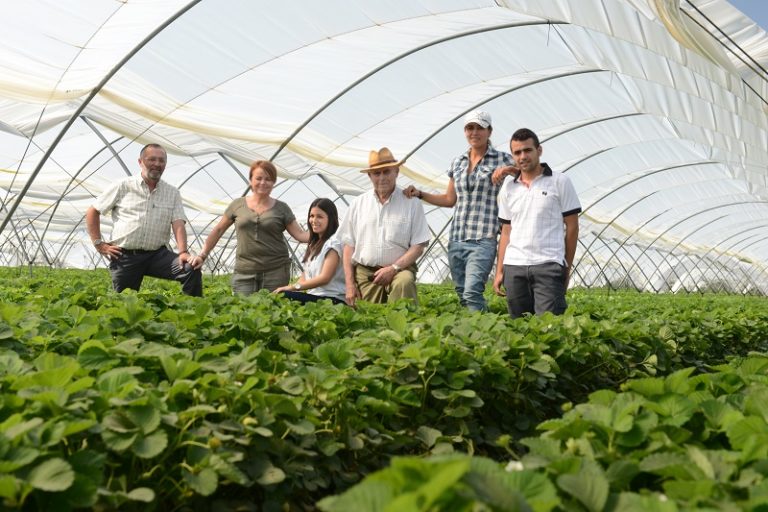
(203, 255)
(420, 194)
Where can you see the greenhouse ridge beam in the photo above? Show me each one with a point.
(86, 102)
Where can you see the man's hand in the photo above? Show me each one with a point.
(502, 172)
(498, 284)
(112, 252)
(411, 191)
(384, 275)
(186, 259)
(196, 261)
(352, 294)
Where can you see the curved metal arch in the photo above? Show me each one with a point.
(86, 102)
(682, 240)
(498, 95)
(712, 261)
(695, 214)
(595, 121)
(646, 175)
(764, 270)
(395, 59)
(106, 145)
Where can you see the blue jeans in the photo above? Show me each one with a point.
(471, 262)
(535, 288)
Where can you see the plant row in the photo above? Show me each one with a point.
(683, 442)
(160, 401)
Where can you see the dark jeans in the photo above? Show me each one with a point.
(535, 288)
(304, 297)
(129, 270)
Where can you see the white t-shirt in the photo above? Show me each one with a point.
(336, 286)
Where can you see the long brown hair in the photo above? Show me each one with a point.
(316, 241)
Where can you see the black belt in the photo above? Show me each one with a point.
(139, 251)
(372, 269)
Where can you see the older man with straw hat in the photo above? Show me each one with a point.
(383, 233)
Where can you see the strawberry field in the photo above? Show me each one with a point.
(157, 401)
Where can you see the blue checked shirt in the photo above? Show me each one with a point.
(477, 211)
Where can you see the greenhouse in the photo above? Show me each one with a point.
(655, 109)
(637, 380)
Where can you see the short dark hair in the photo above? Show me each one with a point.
(524, 134)
(152, 146)
(266, 166)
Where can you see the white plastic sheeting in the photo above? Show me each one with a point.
(656, 109)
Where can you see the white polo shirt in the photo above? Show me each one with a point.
(141, 219)
(381, 233)
(537, 233)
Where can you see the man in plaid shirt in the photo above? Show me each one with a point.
(472, 241)
(144, 212)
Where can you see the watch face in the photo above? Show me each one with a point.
(297, 286)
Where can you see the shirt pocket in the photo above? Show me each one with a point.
(398, 233)
(162, 211)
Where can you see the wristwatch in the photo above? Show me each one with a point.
(397, 267)
(297, 286)
(98, 242)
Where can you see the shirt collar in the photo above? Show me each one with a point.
(489, 151)
(547, 171)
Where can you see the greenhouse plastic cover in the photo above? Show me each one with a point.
(655, 109)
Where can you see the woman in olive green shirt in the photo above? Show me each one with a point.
(262, 259)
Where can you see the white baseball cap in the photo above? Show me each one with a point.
(479, 117)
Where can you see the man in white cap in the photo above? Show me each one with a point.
(472, 241)
(383, 233)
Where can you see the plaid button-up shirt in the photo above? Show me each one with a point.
(476, 215)
(141, 219)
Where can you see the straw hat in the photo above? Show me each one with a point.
(380, 159)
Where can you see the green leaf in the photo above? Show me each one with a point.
(143, 494)
(116, 441)
(18, 457)
(94, 355)
(370, 495)
(204, 483)
(428, 435)
(293, 385)
(398, 322)
(589, 486)
(13, 427)
(53, 475)
(151, 445)
(8, 487)
(630, 502)
(336, 353)
(146, 417)
(304, 427)
(271, 475)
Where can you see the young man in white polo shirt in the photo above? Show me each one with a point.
(539, 214)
